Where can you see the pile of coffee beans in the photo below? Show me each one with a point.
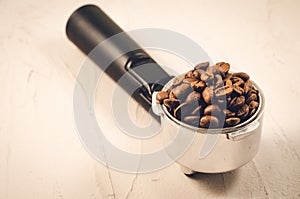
(211, 97)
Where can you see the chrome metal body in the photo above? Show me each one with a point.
(211, 150)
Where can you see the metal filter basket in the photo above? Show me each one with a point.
(212, 150)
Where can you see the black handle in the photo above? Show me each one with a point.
(88, 26)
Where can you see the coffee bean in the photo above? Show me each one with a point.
(171, 95)
(178, 80)
(192, 120)
(197, 110)
(252, 112)
(209, 121)
(228, 98)
(189, 74)
(201, 71)
(193, 97)
(237, 81)
(171, 103)
(238, 89)
(239, 101)
(252, 97)
(228, 113)
(192, 84)
(181, 90)
(212, 110)
(207, 76)
(202, 66)
(189, 80)
(222, 91)
(242, 75)
(160, 96)
(232, 121)
(253, 90)
(228, 76)
(198, 85)
(196, 74)
(213, 69)
(222, 102)
(228, 83)
(184, 110)
(180, 111)
(253, 105)
(247, 87)
(207, 95)
(218, 81)
(243, 112)
(223, 67)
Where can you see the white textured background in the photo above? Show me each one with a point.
(40, 154)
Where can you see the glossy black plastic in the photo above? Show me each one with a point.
(88, 26)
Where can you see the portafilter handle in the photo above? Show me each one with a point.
(88, 26)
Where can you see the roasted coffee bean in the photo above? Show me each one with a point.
(252, 97)
(253, 90)
(171, 95)
(201, 71)
(222, 91)
(207, 76)
(223, 68)
(198, 85)
(242, 75)
(228, 98)
(189, 80)
(184, 110)
(253, 105)
(228, 113)
(232, 121)
(221, 101)
(207, 95)
(247, 86)
(169, 90)
(209, 121)
(231, 102)
(189, 74)
(202, 66)
(237, 102)
(193, 84)
(228, 83)
(238, 89)
(252, 112)
(193, 97)
(196, 74)
(180, 111)
(178, 80)
(218, 81)
(212, 110)
(243, 112)
(171, 103)
(192, 120)
(160, 96)
(213, 69)
(237, 81)
(228, 76)
(197, 110)
(181, 90)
